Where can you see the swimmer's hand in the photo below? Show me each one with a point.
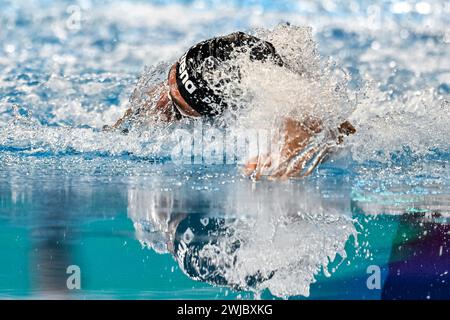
(295, 157)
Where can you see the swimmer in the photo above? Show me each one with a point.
(163, 226)
(187, 94)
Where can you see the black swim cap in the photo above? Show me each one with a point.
(196, 233)
(211, 54)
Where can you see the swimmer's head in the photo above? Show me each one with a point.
(206, 250)
(189, 90)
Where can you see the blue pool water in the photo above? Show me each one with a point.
(113, 204)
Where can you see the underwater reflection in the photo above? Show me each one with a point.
(262, 236)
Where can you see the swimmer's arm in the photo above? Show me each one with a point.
(128, 113)
(299, 159)
(293, 137)
(160, 108)
(293, 154)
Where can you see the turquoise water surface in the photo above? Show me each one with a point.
(116, 206)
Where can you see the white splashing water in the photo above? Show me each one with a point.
(287, 243)
(293, 238)
(311, 85)
(67, 87)
(418, 120)
(305, 87)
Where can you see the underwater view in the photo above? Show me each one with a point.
(203, 149)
